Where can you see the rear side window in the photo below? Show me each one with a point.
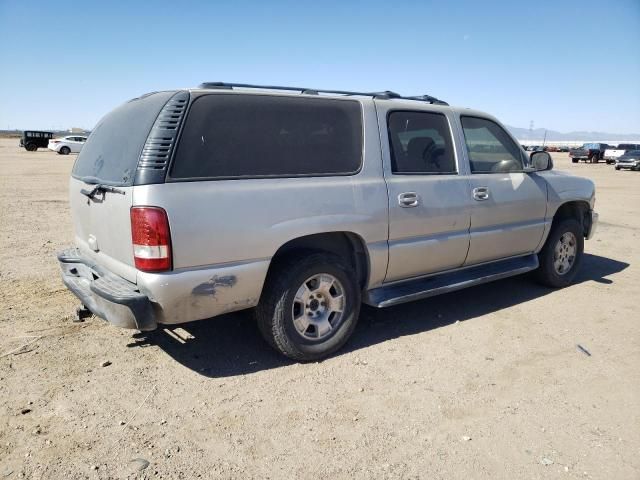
(232, 136)
(420, 143)
(111, 153)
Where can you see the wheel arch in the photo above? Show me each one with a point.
(577, 209)
(347, 245)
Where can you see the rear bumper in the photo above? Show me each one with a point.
(108, 296)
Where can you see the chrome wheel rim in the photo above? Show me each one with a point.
(564, 254)
(318, 306)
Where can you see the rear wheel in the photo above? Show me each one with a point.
(65, 151)
(561, 256)
(575, 160)
(310, 306)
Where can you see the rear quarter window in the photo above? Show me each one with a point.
(254, 136)
(111, 153)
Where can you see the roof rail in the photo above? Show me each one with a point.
(386, 95)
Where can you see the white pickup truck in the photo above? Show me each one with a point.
(612, 154)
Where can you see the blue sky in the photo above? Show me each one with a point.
(566, 65)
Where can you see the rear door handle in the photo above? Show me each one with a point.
(480, 193)
(408, 199)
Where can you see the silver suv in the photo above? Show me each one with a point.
(302, 204)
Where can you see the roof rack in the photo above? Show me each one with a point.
(386, 95)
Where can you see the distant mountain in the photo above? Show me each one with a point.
(553, 136)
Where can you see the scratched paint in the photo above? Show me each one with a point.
(210, 286)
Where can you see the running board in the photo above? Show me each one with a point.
(448, 282)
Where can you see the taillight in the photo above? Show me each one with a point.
(151, 239)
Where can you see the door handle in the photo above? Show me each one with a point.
(408, 199)
(480, 193)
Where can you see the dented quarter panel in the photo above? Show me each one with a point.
(185, 295)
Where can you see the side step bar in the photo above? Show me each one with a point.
(411, 290)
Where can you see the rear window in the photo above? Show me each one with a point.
(110, 154)
(234, 136)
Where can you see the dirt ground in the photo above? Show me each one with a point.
(486, 383)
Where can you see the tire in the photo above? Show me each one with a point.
(31, 147)
(64, 151)
(617, 168)
(562, 233)
(575, 160)
(284, 295)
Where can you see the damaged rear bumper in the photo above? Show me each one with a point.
(108, 296)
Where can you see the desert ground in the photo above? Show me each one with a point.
(485, 383)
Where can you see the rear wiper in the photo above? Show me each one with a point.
(100, 189)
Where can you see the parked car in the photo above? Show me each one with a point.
(228, 197)
(67, 145)
(612, 154)
(630, 160)
(563, 149)
(31, 140)
(589, 152)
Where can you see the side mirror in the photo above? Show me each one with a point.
(540, 161)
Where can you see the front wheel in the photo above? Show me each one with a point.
(31, 147)
(65, 151)
(617, 168)
(561, 256)
(310, 306)
(575, 160)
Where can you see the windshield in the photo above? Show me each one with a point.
(110, 154)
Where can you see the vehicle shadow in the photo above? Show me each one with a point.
(231, 345)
